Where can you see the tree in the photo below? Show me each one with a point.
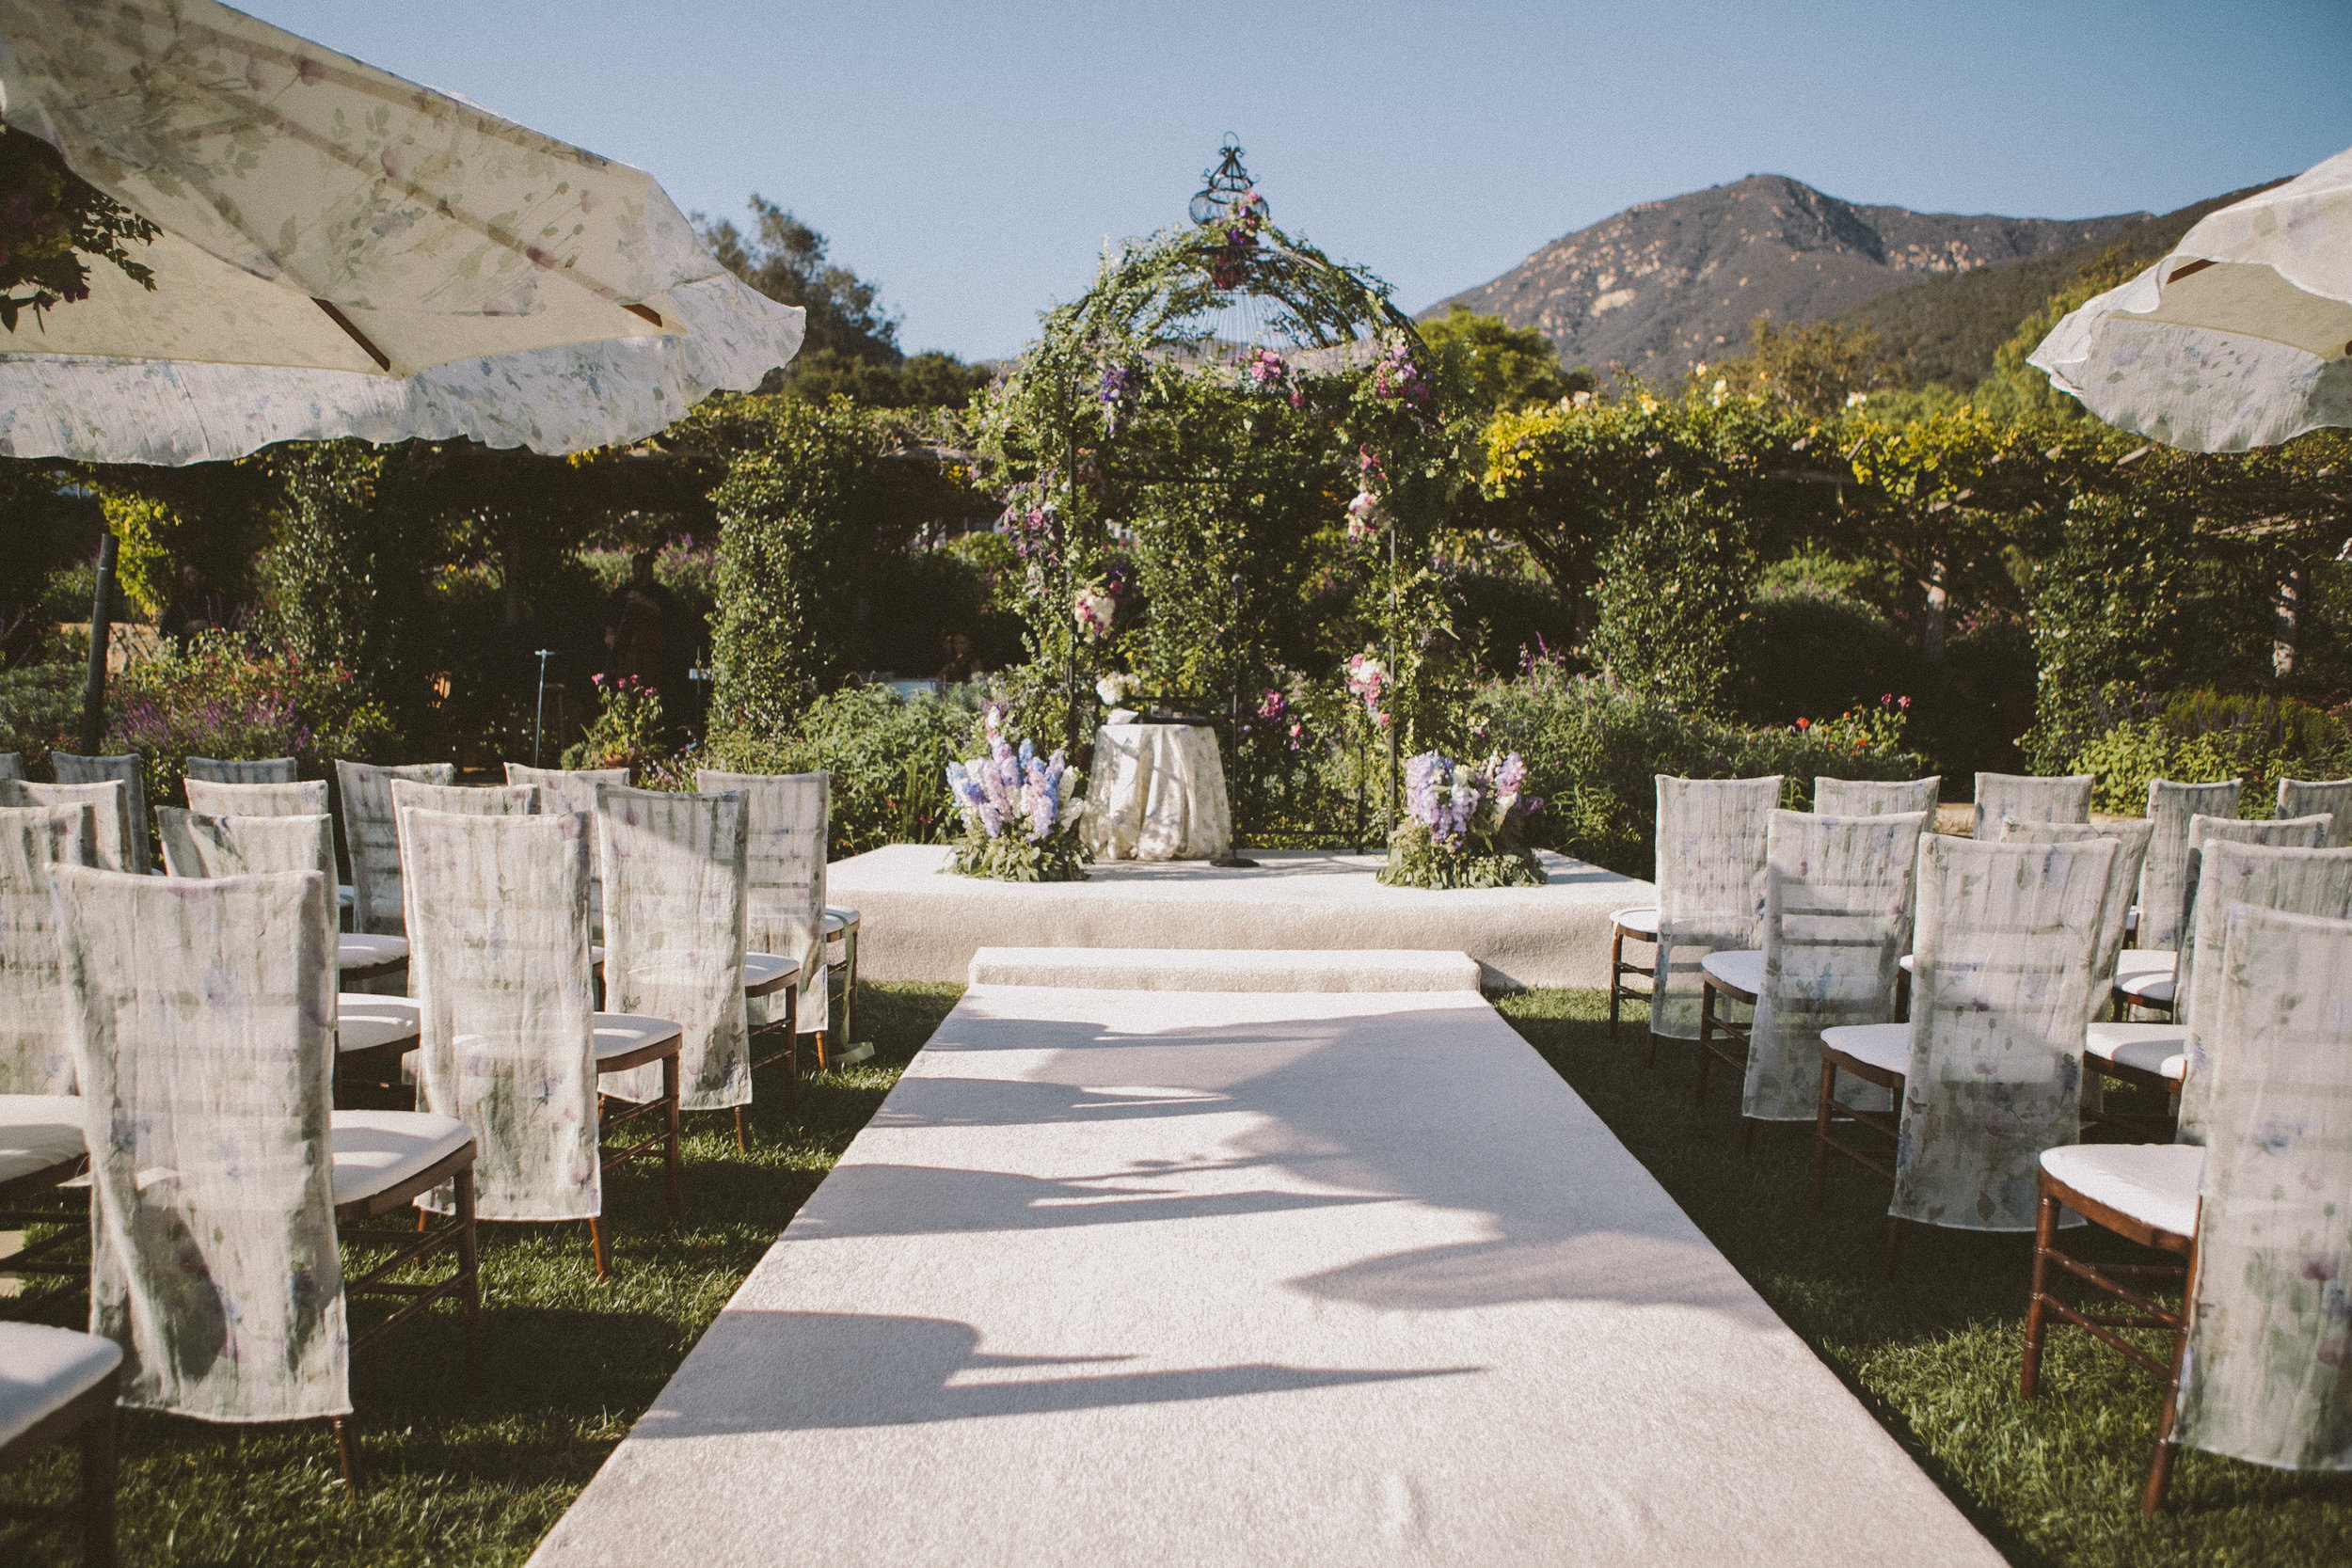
(784, 259)
(1488, 365)
(1814, 369)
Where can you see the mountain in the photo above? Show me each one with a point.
(1667, 284)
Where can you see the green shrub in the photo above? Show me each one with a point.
(888, 758)
(1672, 595)
(2201, 738)
(628, 731)
(41, 709)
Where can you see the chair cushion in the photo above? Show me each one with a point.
(361, 950)
(595, 954)
(2148, 987)
(2145, 961)
(377, 1150)
(42, 1369)
(1741, 968)
(1884, 1046)
(39, 1131)
(1640, 921)
(618, 1034)
(366, 1022)
(2153, 1183)
(2144, 1047)
(838, 919)
(767, 968)
(1907, 963)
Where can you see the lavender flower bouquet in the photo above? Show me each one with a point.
(1462, 827)
(1020, 811)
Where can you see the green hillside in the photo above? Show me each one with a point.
(1946, 329)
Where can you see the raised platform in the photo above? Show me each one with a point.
(921, 924)
(1223, 969)
(1173, 1279)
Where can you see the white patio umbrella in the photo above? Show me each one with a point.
(346, 253)
(2238, 339)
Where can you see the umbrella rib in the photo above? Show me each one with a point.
(383, 360)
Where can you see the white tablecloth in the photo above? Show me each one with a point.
(1157, 793)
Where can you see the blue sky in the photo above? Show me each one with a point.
(971, 159)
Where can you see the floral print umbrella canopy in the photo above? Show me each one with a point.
(346, 253)
(2238, 338)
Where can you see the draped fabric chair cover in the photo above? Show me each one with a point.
(34, 1054)
(1712, 835)
(204, 1035)
(1836, 924)
(11, 765)
(677, 881)
(109, 843)
(499, 973)
(371, 837)
(465, 799)
(2132, 840)
(2309, 797)
(575, 789)
(301, 798)
(789, 829)
(2289, 833)
(1874, 796)
(198, 846)
(2000, 992)
(73, 769)
(2292, 881)
(2164, 885)
(2267, 1376)
(2027, 799)
(250, 771)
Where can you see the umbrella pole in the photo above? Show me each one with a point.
(100, 634)
(539, 709)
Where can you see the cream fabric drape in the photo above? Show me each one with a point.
(205, 1037)
(2164, 885)
(110, 813)
(789, 830)
(294, 798)
(2309, 797)
(677, 881)
(73, 769)
(2292, 879)
(11, 765)
(247, 770)
(2000, 992)
(2030, 798)
(1836, 924)
(1875, 796)
(2268, 1374)
(372, 838)
(35, 1056)
(1711, 840)
(500, 973)
(2132, 840)
(197, 846)
(575, 789)
(1157, 793)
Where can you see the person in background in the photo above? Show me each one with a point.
(189, 611)
(961, 666)
(636, 619)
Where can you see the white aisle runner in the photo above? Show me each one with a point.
(1177, 1278)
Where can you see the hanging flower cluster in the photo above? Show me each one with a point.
(1030, 523)
(1096, 608)
(1398, 379)
(1366, 677)
(1462, 830)
(1118, 380)
(1265, 369)
(1248, 215)
(1020, 811)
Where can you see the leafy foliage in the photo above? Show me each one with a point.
(885, 757)
(1813, 368)
(1673, 593)
(784, 259)
(49, 217)
(627, 732)
(1486, 364)
(2203, 738)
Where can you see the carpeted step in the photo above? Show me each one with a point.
(1220, 969)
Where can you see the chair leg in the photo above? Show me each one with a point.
(669, 1092)
(1821, 1131)
(1707, 1035)
(347, 1452)
(469, 1260)
(1894, 1242)
(2037, 1326)
(98, 1490)
(849, 988)
(741, 1145)
(1616, 990)
(2168, 1446)
(600, 1244)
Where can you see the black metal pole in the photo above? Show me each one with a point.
(100, 634)
(539, 710)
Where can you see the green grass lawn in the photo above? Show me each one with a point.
(466, 1474)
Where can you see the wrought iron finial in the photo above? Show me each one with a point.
(1225, 188)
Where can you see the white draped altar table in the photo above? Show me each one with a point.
(1157, 793)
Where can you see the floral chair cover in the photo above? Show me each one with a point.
(371, 837)
(1712, 835)
(2266, 1375)
(2309, 797)
(198, 846)
(248, 771)
(1874, 796)
(2027, 799)
(2132, 840)
(2291, 879)
(205, 1037)
(300, 798)
(575, 789)
(789, 833)
(499, 973)
(678, 879)
(73, 769)
(2164, 885)
(2000, 990)
(110, 815)
(11, 765)
(34, 1054)
(1836, 924)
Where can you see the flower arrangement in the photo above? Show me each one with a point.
(1020, 812)
(628, 731)
(1366, 678)
(1263, 369)
(1096, 607)
(1117, 687)
(1464, 826)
